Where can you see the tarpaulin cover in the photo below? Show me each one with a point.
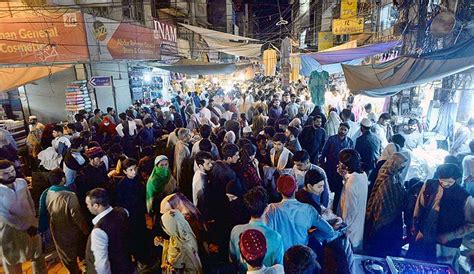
(380, 80)
(349, 45)
(213, 34)
(11, 78)
(340, 56)
(309, 64)
(193, 67)
(221, 41)
(234, 48)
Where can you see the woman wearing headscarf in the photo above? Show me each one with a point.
(296, 122)
(384, 224)
(106, 130)
(248, 169)
(229, 138)
(159, 184)
(177, 201)
(332, 124)
(180, 252)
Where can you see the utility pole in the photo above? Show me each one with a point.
(192, 16)
(246, 23)
(285, 61)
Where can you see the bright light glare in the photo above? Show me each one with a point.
(147, 77)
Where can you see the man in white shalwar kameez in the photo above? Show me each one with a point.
(19, 240)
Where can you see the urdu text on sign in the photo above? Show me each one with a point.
(348, 26)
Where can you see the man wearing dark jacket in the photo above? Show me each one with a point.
(131, 196)
(223, 188)
(92, 176)
(443, 216)
(369, 146)
(108, 245)
(312, 138)
(146, 136)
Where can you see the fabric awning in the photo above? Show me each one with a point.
(11, 78)
(234, 48)
(193, 67)
(380, 80)
(349, 45)
(213, 34)
(340, 56)
(226, 42)
(309, 64)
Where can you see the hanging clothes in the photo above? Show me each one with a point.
(446, 120)
(295, 62)
(270, 62)
(317, 84)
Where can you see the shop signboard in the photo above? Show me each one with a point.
(348, 9)
(325, 40)
(29, 38)
(112, 40)
(167, 35)
(348, 26)
(100, 81)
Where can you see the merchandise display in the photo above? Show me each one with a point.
(77, 97)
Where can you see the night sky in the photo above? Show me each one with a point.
(266, 15)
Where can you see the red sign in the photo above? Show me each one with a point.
(133, 42)
(43, 37)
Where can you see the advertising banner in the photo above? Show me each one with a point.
(41, 36)
(348, 9)
(348, 26)
(167, 35)
(112, 40)
(325, 40)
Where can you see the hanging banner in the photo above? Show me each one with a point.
(30, 38)
(348, 26)
(168, 36)
(112, 40)
(348, 9)
(325, 40)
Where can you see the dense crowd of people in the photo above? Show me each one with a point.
(256, 180)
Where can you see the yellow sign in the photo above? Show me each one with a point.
(325, 40)
(348, 9)
(348, 26)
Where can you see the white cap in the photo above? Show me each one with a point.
(247, 129)
(32, 117)
(366, 123)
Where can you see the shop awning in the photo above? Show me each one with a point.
(193, 67)
(380, 80)
(11, 78)
(235, 48)
(349, 45)
(309, 64)
(340, 56)
(213, 34)
(227, 43)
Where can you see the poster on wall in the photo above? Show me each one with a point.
(112, 40)
(29, 38)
